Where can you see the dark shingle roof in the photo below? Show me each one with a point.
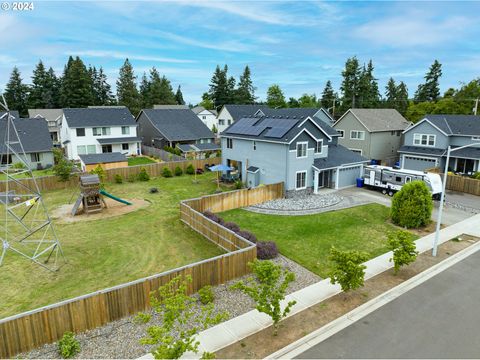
(290, 112)
(421, 150)
(467, 153)
(380, 119)
(89, 117)
(239, 111)
(102, 158)
(33, 134)
(252, 169)
(14, 113)
(178, 125)
(456, 124)
(120, 140)
(338, 155)
(198, 147)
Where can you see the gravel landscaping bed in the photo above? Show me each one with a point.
(121, 339)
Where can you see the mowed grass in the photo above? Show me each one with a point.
(139, 160)
(308, 239)
(104, 253)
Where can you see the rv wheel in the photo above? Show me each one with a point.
(384, 191)
(390, 193)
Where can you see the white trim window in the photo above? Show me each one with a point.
(476, 138)
(357, 135)
(301, 180)
(424, 139)
(35, 157)
(342, 133)
(319, 147)
(229, 143)
(125, 130)
(302, 149)
(99, 131)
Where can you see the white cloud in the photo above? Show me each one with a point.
(120, 55)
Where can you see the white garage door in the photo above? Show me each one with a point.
(348, 176)
(418, 163)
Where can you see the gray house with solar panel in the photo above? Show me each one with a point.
(301, 151)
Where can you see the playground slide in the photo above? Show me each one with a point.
(104, 193)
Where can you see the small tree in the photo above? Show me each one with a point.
(403, 247)
(348, 270)
(166, 172)
(190, 170)
(68, 346)
(268, 289)
(180, 321)
(178, 171)
(143, 175)
(63, 167)
(100, 171)
(412, 206)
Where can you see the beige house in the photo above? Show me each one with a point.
(376, 134)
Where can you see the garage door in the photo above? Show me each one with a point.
(348, 176)
(416, 163)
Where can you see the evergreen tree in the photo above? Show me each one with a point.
(368, 93)
(144, 92)
(179, 96)
(391, 94)
(77, 85)
(350, 84)
(102, 91)
(430, 90)
(275, 97)
(37, 89)
(328, 96)
(402, 98)
(160, 90)
(16, 93)
(466, 96)
(245, 93)
(222, 88)
(127, 92)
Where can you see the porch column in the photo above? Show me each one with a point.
(337, 177)
(315, 181)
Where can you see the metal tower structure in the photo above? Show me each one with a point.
(26, 229)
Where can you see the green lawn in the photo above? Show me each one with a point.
(108, 252)
(307, 239)
(36, 173)
(139, 160)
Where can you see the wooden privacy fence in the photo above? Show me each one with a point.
(463, 184)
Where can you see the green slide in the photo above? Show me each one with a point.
(104, 193)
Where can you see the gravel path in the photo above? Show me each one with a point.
(121, 339)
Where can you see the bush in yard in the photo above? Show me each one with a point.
(166, 172)
(268, 289)
(412, 205)
(63, 167)
(118, 179)
(100, 171)
(266, 250)
(232, 226)
(68, 346)
(143, 175)
(238, 184)
(206, 295)
(132, 178)
(403, 247)
(178, 171)
(214, 217)
(208, 214)
(18, 165)
(247, 235)
(476, 175)
(190, 170)
(180, 320)
(348, 270)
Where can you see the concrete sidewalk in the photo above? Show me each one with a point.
(236, 329)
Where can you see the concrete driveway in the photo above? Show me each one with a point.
(437, 319)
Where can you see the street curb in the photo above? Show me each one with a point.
(298, 347)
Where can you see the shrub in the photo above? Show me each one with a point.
(206, 295)
(100, 171)
(476, 175)
(63, 167)
(238, 184)
(208, 214)
(190, 170)
(166, 172)
(268, 289)
(348, 270)
(266, 250)
(142, 318)
(403, 247)
(18, 165)
(143, 175)
(118, 179)
(68, 346)
(213, 217)
(412, 205)
(232, 226)
(132, 178)
(247, 235)
(178, 171)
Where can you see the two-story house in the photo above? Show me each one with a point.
(374, 133)
(300, 151)
(53, 117)
(425, 143)
(228, 114)
(208, 117)
(99, 130)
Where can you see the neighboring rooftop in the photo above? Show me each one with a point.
(171, 107)
(198, 147)
(240, 111)
(14, 113)
(33, 134)
(376, 120)
(101, 116)
(468, 125)
(289, 112)
(47, 114)
(103, 158)
(198, 109)
(178, 125)
(338, 155)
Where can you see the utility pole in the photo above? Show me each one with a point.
(476, 107)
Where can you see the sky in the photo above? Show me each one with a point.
(296, 44)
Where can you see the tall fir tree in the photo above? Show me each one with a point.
(102, 91)
(179, 96)
(51, 90)
(368, 94)
(391, 94)
(127, 92)
(402, 98)
(275, 97)
(16, 93)
(430, 89)
(77, 85)
(160, 90)
(36, 98)
(245, 93)
(350, 84)
(144, 92)
(222, 88)
(328, 96)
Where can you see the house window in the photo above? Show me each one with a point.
(342, 134)
(125, 147)
(399, 132)
(408, 179)
(229, 122)
(204, 117)
(229, 143)
(99, 131)
(125, 130)
(357, 135)
(254, 145)
(91, 149)
(424, 139)
(318, 147)
(6, 159)
(398, 179)
(80, 131)
(35, 157)
(106, 148)
(302, 149)
(392, 133)
(81, 149)
(221, 122)
(301, 180)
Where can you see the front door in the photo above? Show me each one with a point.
(324, 179)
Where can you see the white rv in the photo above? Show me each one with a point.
(391, 180)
